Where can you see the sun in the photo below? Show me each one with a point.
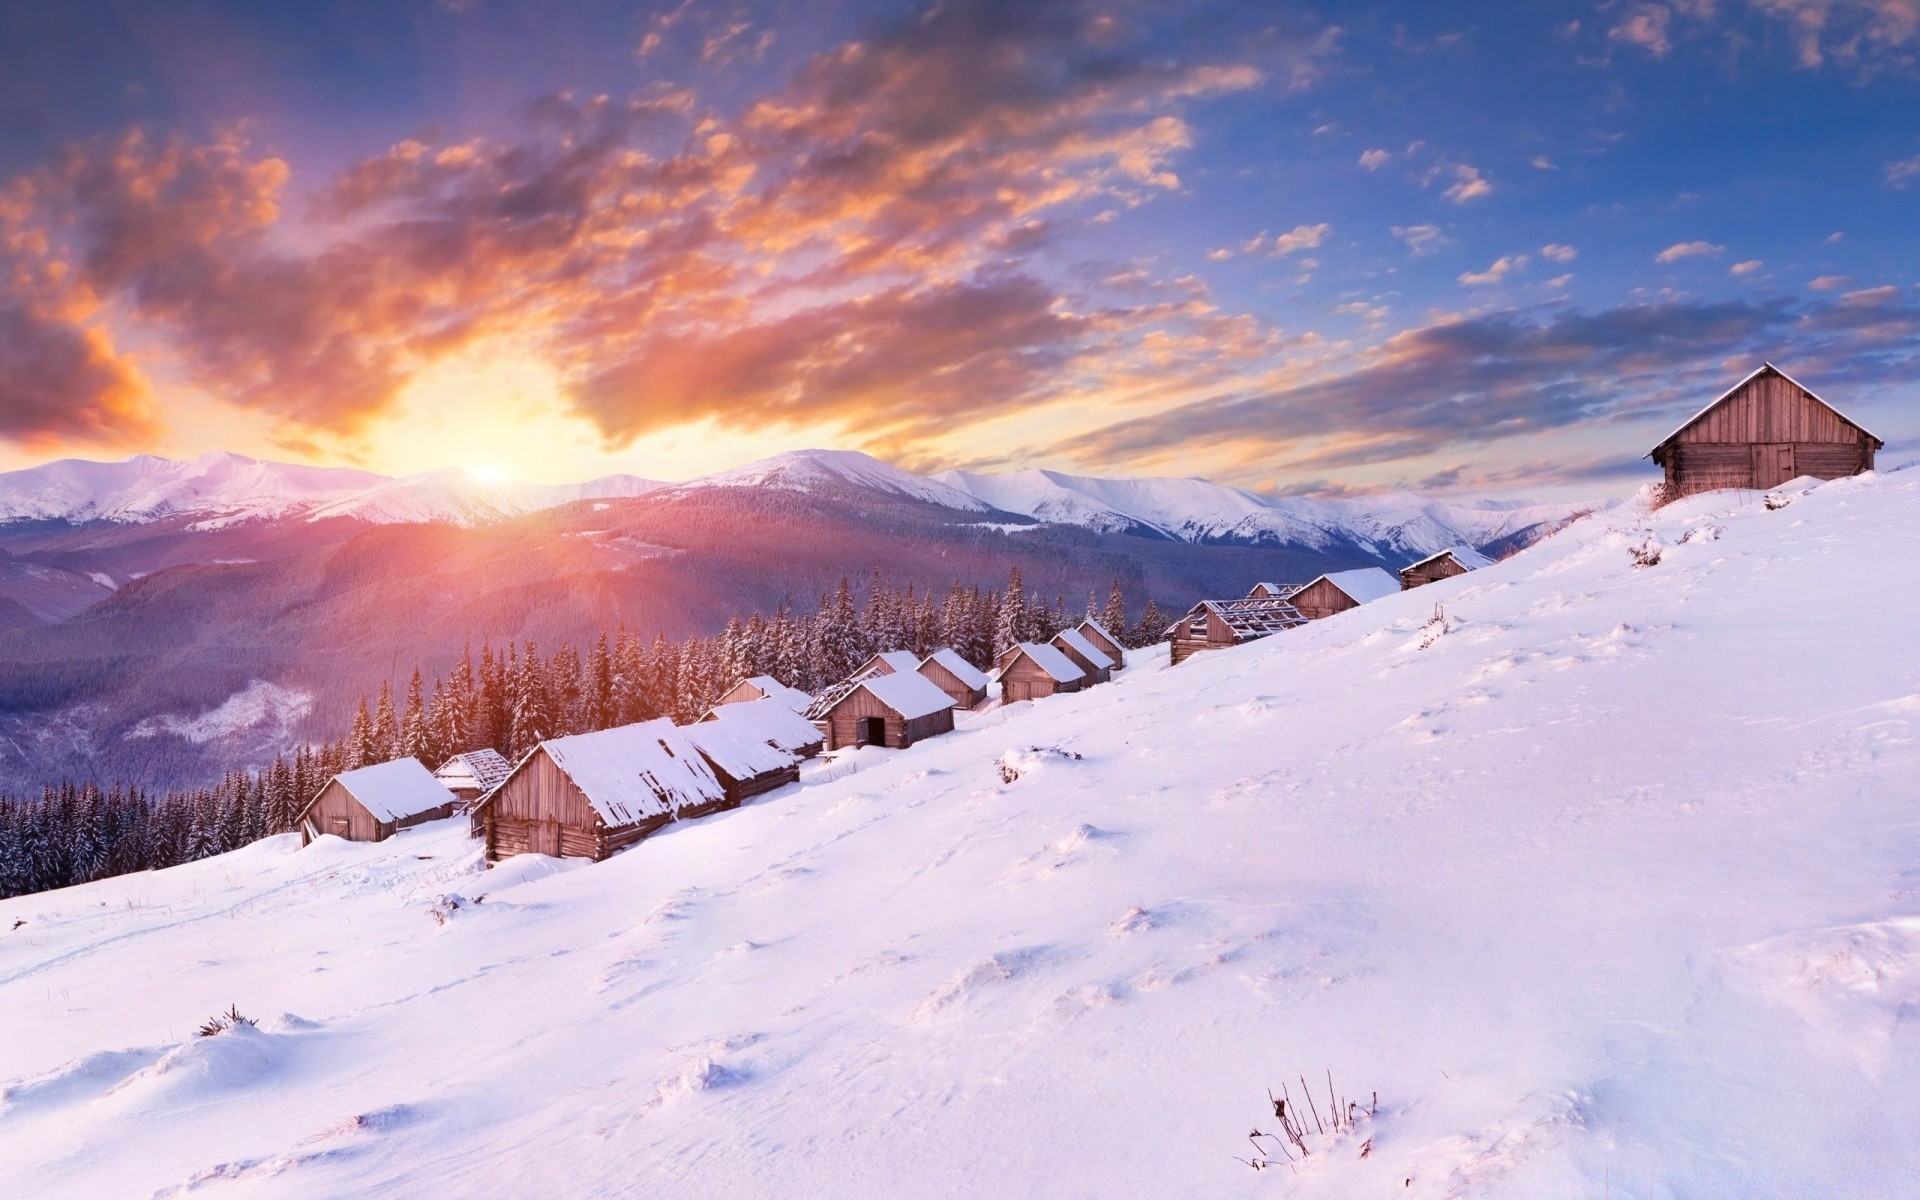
(485, 472)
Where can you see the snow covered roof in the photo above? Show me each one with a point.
(632, 772)
(1253, 617)
(395, 790)
(792, 697)
(1466, 556)
(1089, 651)
(480, 769)
(908, 693)
(770, 721)
(1048, 659)
(903, 662)
(736, 749)
(960, 668)
(1763, 369)
(1088, 623)
(827, 698)
(1363, 584)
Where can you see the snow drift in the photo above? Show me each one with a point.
(1603, 876)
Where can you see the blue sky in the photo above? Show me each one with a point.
(1475, 248)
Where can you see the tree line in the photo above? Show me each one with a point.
(514, 697)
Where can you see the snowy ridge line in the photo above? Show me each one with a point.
(1572, 879)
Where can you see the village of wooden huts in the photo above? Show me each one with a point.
(373, 803)
(894, 708)
(472, 775)
(765, 687)
(1095, 666)
(1034, 671)
(1761, 432)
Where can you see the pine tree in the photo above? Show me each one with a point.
(386, 727)
(1012, 620)
(360, 742)
(1114, 619)
(416, 734)
(1152, 626)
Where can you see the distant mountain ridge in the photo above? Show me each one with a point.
(220, 489)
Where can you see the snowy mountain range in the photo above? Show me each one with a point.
(220, 490)
(1604, 883)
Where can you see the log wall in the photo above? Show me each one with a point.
(1769, 431)
(1322, 599)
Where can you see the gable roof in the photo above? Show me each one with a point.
(771, 688)
(1723, 397)
(1247, 618)
(1047, 658)
(770, 721)
(968, 674)
(908, 693)
(392, 791)
(1087, 623)
(482, 769)
(632, 772)
(1466, 556)
(1089, 651)
(903, 662)
(736, 749)
(1362, 584)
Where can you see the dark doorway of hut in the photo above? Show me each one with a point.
(546, 838)
(873, 731)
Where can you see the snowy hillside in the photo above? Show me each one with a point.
(1607, 882)
(806, 470)
(1194, 510)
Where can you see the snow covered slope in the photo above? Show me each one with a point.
(807, 470)
(1607, 882)
(1194, 510)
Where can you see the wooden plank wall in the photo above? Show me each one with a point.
(1430, 572)
(1322, 599)
(1092, 673)
(334, 805)
(1027, 680)
(949, 683)
(1770, 409)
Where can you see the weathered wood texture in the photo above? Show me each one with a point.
(1431, 571)
(740, 693)
(1105, 645)
(538, 810)
(1764, 433)
(962, 695)
(1093, 674)
(1322, 599)
(1203, 631)
(741, 789)
(1025, 679)
(335, 811)
(846, 723)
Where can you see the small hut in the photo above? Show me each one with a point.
(955, 676)
(772, 722)
(1034, 671)
(472, 775)
(373, 803)
(1763, 431)
(1339, 591)
(745, 763)
(1104, 641)
(888, 662)
(592, 794)
(1094, 665)
(1217, 624)
(1455, 560)
(894, 710)
(765, 687)
(1272, 591)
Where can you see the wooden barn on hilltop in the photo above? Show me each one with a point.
(958, 678)
(1338, 591)
(373, 803)
(1033, 671)
(1217, 624)
(894, 710)
(591, 794)
(1454, 560)
(1765, 430)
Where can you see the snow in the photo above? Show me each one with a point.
(271, 708)
(792, 697)
(481, 770)
(770, 721)
(901, 662)
(1364, 584)
(908, 693)
(737, 749)
(633, 772)
(395, 790)
(968, 674)
(1466, 556)
(1089, 651)
(1607, 884)
(813, 470)
(1048, 659)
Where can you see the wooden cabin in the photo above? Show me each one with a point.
(745, 763)
(958, 678)
(1034, 671)
(772, 722)
(1765, 430)
(765, 687)
(894, 710)
(888, 662)
(592, 794)
(1272, 591)
(1455, 560)
(373, 803)
(1095, 666)
(1104, 641)
(1338, 591)
(1217, 624)
(472, 775)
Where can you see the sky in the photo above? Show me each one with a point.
(1468, 248)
